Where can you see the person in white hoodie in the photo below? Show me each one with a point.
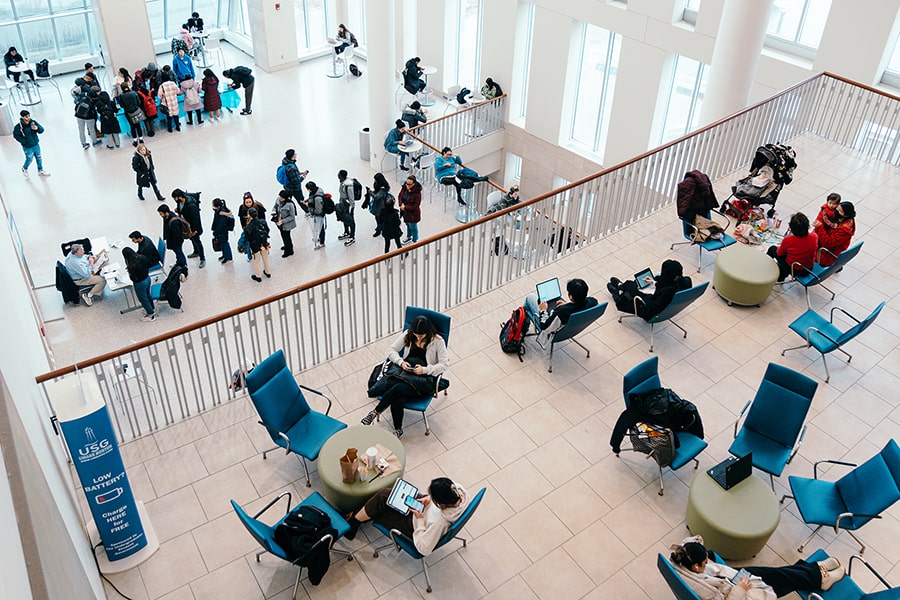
(445, 503)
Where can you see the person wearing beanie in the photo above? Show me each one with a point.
(295, 177)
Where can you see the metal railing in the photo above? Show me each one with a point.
(158, 382)
(466, 124)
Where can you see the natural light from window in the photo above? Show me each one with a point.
(685, 98)
(595, 82)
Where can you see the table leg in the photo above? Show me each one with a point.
(427, 99)
(334, 74)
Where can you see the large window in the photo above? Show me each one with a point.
(685, 98)
(595, 81)
(57, 30)
(312, 24)
(356, 22)
(523, 59)
(468, 44)
(690, 11)
(891, 75)
(796, 26)
(167, 16)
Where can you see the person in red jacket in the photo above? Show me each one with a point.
(799, 246)
(837, 239)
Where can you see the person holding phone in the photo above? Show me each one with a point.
(715, 581)
(445, 503)
(421, 352)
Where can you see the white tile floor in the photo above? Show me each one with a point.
(563, 517)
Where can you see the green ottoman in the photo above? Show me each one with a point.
(348, 497)
(736, 523)
(744, 275)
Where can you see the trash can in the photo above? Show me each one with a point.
(7, 123)
(363, 143)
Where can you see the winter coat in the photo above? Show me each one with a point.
(835, 240)
(109, 123)
(211, 99)
(191, 90)
(27, 136)
(145, 173)
(168, 97)
(148, 102)
(446, 167)
(190, 210)
(695, 193)
(410, 203)
(392, 140)
(219, 224)
(173, 232)
(256, 233)
(412, 116)
(130, 102)
(287, 214)
(295, 178)
(390, 223)
(244, 212)
(241, 76)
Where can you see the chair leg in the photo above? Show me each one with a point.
(425, 418)
(683, 330)
(825, 364)
(862, 547)
(696, 464)
(772, 482)
(582, 347)
(795, 348)
(550, 367)
(305, 468)
(651, 337)
(660, 492)
(806, 541)
(270, 450)
(297, 583)
(672, 247)
(427, 579)
(699, 257)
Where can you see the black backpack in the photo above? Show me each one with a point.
(170, 288)
(84, 108)
(354, 70)
(327, 204)
(229, 222)
(301, 529)
(461, 96)
(512, 333)
(42, 68)
(357, 189)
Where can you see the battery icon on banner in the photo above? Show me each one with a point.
(109, 496)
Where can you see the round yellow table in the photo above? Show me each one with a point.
(348, 497)
(744, 275)
(736, 523)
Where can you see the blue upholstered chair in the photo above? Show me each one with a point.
(710, 245)
(576, 324)
(680, 301)
(853, 500)
(846, 588)
(674, 580)
(773, 428)
(405, 544)
(819, 274)
(160, 267)
(643, 378)
(265, 534)
(285, 414)
(823, 335)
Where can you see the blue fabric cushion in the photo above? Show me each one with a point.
(812, 319)
(868, 489)
(768, 455)
(818, 501)
(309, 434)
(689, 446)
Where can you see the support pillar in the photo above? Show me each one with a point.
(124, 45)
(380, 20)
(274, 34)
(739, 43)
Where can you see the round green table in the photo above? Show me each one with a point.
(744, 275)
(348, 497)
(736, 523)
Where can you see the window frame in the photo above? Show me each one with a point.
(86, 11)
(794, 46)
(605, 93)
(695, 94)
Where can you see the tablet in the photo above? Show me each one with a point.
(644, 279)
(399, 493)
(549, 291)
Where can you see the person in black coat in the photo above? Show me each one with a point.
(222, 224)
(138, 267)
(131, 103)
(669, 282)
(173, 234)
(390, 224)
(145, 247)
(145, 172)
(189, 208)
(412, 80)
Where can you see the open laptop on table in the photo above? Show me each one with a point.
(549, 291)
(732, 471)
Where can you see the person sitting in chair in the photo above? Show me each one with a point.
(412, 79)
(551, 318)
(796, 254)
(445, 502)
(630, 299)
(84, 269)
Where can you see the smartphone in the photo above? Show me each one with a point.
(413, 503)
(742, 574)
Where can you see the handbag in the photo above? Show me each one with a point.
(217, 245)
(136, 116)
(163, 109)
(656, 442)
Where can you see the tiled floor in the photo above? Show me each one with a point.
(563, 517)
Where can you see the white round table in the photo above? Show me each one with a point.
(427, 99)
(21, 68)
(201, 36)
(334, 43)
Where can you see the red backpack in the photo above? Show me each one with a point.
(149, 105)
(512, 334)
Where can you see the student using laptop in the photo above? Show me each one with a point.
(670, 281)
(445, 503)
(543, 311)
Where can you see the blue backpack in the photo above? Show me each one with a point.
(281, 175)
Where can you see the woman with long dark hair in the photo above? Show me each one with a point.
(837, 239)
(797, 252)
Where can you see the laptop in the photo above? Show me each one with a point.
(732, 471)
(403, 497)
(549, 291)
(644, 279)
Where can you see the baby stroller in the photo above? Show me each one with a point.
(772, 169)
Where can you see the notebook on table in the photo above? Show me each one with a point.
(549, 291)
(732, 471)
(644, 279)
(403, 497)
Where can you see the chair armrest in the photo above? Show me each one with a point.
(396, 534)
(641, 300)
(820, 332)
(797, 447)
(738, 420)
(276, 433)
(318, 393)
(833, 462)
(852, 318)
(815, 596)
(287, 508)
(723, 215)
(848, 515)
(326, 539)
(868, 566)
(821, 250)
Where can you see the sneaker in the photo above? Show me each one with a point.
(85, 146)
(246, 112)
(202, 262)
(342, 237)
(267, 274)
(350, 242)
(98, 142)
(404, 168)
(830, 577)
(87, 299)
(830, 563)
(149, 318)
(256, 279)
(367, 420)
(318, 246)
(193, 255)
(407, 241)
(46, 174)
(25, 173)
(376, 234)
(222, 259)
(398, 432)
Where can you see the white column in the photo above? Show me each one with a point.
(857, 40)
(550, 54)
(735, 57)
(125, 28)
(273, 30)
(381, 62)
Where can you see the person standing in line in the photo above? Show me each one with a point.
(109, 123)
(86, 115)
(222, 224)
(256, 234)
(173, 234)
(26, 133)
(145, 172)
(148, 102)
(189, 207)
(132, 106)
(168, 104)
(316, 205)
(286, 220)
(138, 267)
(193, 103)
(295, 177)
(145, 247)
(123, 77)
(390, 225)
(242, 76)
(344, 208)
(410, 198)
(212, 101)
(244, 215)
(375, 199)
